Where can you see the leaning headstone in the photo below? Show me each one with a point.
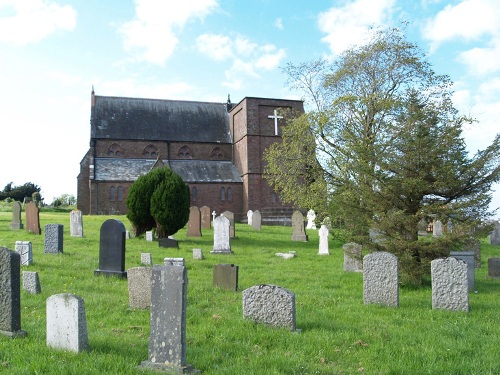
(167, 340)
(230, 216)
(449, 284)
(25, 250)
(53, 241)
(194, 222)
(149, 235)
(323, 240)
(473, 244)
(380, 279)
(10, 293)
(437, 229)
(249, 217)
(221, 236)
(76, 223)
(32, 218)
(112, 249)
(298, 230)
(257, 220)
(146, 259)
(467, 257)
(197, 254)
(494, 267)
(225, 276)
(269, 304)
(495, 234)
(31, 282)
(16, 222)
(205, 217)
(66, 323)
(353, 257)
(139, 287)
(311, 217)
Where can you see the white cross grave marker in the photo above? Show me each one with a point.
(275, 117)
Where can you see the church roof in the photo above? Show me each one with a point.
(154, 119)
(191, 171)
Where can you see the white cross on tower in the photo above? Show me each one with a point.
(275, 117)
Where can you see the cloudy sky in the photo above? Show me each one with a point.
(53, 51)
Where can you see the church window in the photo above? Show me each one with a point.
(115, 150)
(150, 151)
(194, 194)
(119, 192)
(229, 194)
(184, 153)
(273, 197)
(112, 193)
(216, 154)
(222, 194)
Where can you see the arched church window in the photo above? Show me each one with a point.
(184, 153)
(119, 192)
(115, 150)
(222, 194)
(217, 154)
(229, 194)
(150, 151)
(112, 193)
(194, 194)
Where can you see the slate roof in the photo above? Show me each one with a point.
(154, 119)
(191, 171)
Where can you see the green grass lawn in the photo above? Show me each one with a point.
(340, 335)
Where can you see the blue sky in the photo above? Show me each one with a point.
(53, 51)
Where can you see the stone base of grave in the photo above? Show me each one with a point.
(16, 226)
(121, 274)
(168, 242)
(14, 334)
(188, 369)
(300, 237)
(221, 251)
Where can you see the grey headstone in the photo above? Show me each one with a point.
(230, 216)
(197, 254)
(271, 305)
(53, 241)
(25, 250)
(495, 234)
(298, 230)
(194, 222)
(112, 249)
(323, 240)
(467, 257)
(449, 284)
(76, 223)
(146, 259)
(437, 228)
(353, 257)
(422, 227)
(225, 276)
(168, 242)
(206, 217)
(249, 217)
(139, 287)
(32, 218)
(257, 220)
(66, 323)
(494, 267)
(31, 282)
(221, 236)
(16, 223)
(149, 235)
(380, 279)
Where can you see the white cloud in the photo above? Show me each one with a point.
(279, 23)
(347, 25)
(152, 35)
(484, 60)
(217, 47)
(29, 21)
(271, 59)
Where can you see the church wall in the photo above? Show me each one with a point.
(210, 195)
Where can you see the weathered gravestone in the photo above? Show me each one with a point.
(311, 217)
(230, 216)
(167, 340)
(298, 230)
(76, 223)
(198, 254)
(205, 217)
(31, 282)
(53, 241)
(112, 249)
(139, 287)
(495, 234)
(249, 217)
(380, 279)
(221, 236)
(422, 227)
(10, 293)
(494, 267)
(25, 250)
(473, 244)
(353, 257)
(323, 240)
(32, 218)
(146, 259)
(16, 222)
(467, 257)
(66, 323)
(257, 220)
(449, 284)
(269, 304)
(149, 235)
(225, 276)
(194, 222)
(437, 228)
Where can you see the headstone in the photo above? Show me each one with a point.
(437, 229)
(323, 240)
(139, 287)
(194, 222)
(422, 227)
(112, 249)
(249, 217)
(289, 255)
(10, 293)
(495, 234)
(449, 284)
(66, 323)
(146, 259)
(473, 244)
(25, 250)
(467, 257)
(168, 242)
(377, 236)
(380, 279)
(298, 230)
(149, 235)
(205, 217)
(257, 220)
(311, 216)
(269, 304)
(449, 226)
(127, 235)
(16, 223)
(31, 282)
(353, 257)
(32, 218)
(53, 241)
(198, 254)
(494, 267)
(225, 276)
(76, 223)
(221, 236)
(230, 216)
(167, 340)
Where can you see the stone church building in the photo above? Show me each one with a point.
(216, 148)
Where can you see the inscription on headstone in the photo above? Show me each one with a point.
(225, 276)
(76, 223)
(53, 241)
(380, 279)
(449, 284)
(194, 222)
(139, 287)
(112, 249)
(298, 230)
(353, 257)
(221, 236)
(16, 223)
(25, 250)
(32, 218)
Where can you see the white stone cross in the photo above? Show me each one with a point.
(275, 117)
(214, 214)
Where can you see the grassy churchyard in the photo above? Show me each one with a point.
(339, 334)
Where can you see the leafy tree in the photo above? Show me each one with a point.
(385, 142)
(158, 199)
(64, 200)
(18, 193)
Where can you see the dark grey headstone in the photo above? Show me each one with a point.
(16, 223)
(494, 267)
(225, 276)
(467, 257)
(112, 249)
(53, 241)
(168, 242)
